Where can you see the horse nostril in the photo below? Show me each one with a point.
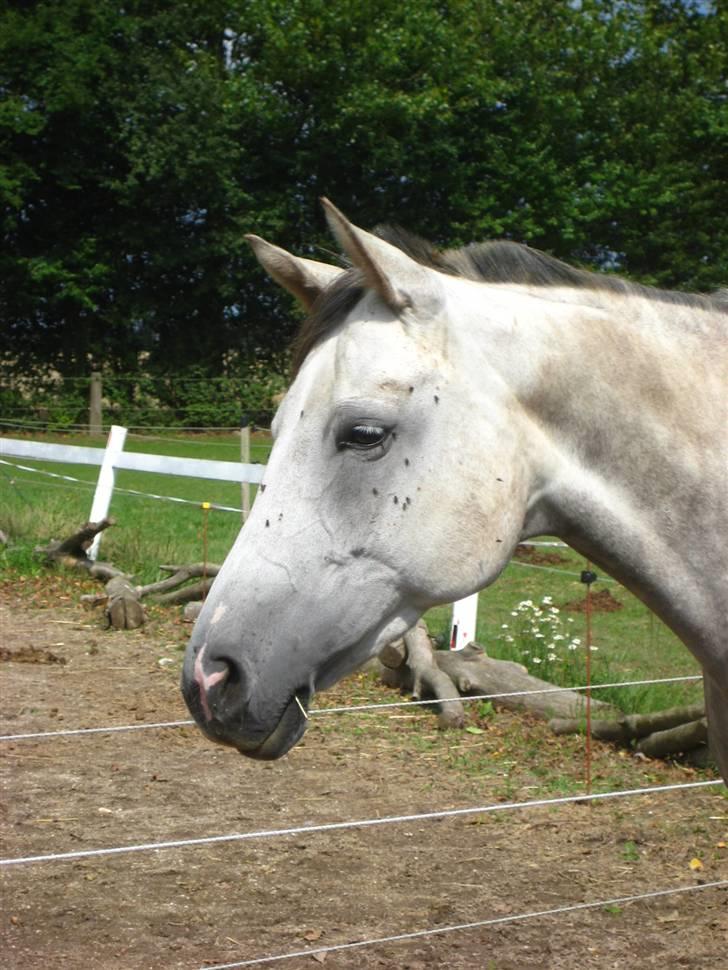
(234, 672)
(220, 680)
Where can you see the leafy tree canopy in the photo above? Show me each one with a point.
(141, 141)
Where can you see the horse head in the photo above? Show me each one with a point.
(372, 508)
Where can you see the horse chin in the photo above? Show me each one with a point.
(287, 733)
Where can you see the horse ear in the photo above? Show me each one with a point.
(304, 278)
(387, 270)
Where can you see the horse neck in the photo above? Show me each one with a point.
(622, 406)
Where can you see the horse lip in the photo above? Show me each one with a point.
(288, 731)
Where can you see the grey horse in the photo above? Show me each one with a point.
(447, 405)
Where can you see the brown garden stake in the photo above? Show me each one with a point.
(205, 513)
(588, 577)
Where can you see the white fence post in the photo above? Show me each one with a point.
(105, 483)
(464, 622)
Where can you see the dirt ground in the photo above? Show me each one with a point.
(197, 907)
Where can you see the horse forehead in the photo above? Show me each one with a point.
(373, 353)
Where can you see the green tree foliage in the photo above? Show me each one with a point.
(140, 141)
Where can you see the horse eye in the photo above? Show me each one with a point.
(364, 436)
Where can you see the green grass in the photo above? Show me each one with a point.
(632, 643)
(35, 508)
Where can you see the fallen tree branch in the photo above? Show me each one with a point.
(102, 570)
(641, 725)
(419, 673)
(121, 599)
(445, 675)
(658, 734)
(187, 594)
(674, 740)
(76, 546)
(181, 574)
(615, 731)
(476, 673)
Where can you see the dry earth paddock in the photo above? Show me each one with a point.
(200, 906)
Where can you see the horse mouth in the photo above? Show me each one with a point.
(287, 733)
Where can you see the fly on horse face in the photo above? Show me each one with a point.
(447, 405)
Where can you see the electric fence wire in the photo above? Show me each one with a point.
(321, 952)
(354, 824)
(352, 708)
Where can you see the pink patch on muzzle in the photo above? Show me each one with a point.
(205, 682)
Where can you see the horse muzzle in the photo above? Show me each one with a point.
(218, 688)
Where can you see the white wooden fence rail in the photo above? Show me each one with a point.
(114, 457)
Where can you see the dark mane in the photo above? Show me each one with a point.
(503, 261)
(336, 302)
(489, 262)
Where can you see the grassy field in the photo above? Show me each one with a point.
(630, 642)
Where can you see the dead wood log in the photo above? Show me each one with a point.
(615, 731)
(94, 599)
(700, 757)
(476, 673)
(181, 574)
(72, 551)
(445, 675)
(632, 727)
(197, 591)
(191, 612)
(427, 678)
(121, 601)
(103, 571)
(393, 655)
(640, 725)
(674, 740)
(123, 609)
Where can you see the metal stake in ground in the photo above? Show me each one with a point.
(205, 513)
(588, 577)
